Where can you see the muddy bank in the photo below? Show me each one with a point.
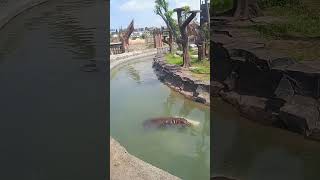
(265, 86)
(177, 79)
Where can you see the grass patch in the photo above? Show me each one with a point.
(193, 52)
(282, 3)
(173, 59)
(199, 69)
(221, 5)
(300, 21)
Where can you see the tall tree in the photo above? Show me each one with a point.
(162, 9)
(246, 8)
(184, 35)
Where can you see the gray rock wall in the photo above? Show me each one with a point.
(175, 78)
(11, 8)
(273, 91)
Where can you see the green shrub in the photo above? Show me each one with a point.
(221, 5)
(282, 3)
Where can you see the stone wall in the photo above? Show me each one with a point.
(11, 8)
(118, 59)
(174, 77)
(267, 88)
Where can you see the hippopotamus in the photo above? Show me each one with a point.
(165, 122)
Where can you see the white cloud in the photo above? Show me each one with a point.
(137, 5)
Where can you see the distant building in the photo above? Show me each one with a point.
(136, 34)
(140, 29)
(113, 30)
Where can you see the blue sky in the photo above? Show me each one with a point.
(123, 11)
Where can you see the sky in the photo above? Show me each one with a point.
(142, 11)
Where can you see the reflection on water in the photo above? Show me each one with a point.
(247, 150)
(133, 74)
(51, 111)
(137, 95)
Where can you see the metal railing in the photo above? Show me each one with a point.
(163, 50)
(116, 48)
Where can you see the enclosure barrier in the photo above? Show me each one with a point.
(116, 48)
(163, 50)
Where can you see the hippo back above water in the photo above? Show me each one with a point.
(165, 122)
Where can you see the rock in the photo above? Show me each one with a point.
(253, 79)
(221, 63)
(200, 100)
(215, 88)
(203, 95)
(188, 85)
(231, 97)
(192, 46)
(255, 108)
(301, 115)
(176, 78)
(230, 82)
(284, 89)
(274, 104)
(180, 53)
(268, 86)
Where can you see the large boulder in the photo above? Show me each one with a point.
(220, 62)
(301, 115)
(231, 97)
(254, 108)
(202, 94)
(215, 88)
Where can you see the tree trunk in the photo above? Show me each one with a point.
(185, 47)
(184, 35)
(201, 51)
(170, 42)
(246, 9)
(186, 56)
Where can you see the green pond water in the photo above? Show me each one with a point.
(247, 150)
(136, 95)
(240, 148)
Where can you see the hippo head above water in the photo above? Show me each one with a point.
(164, 122)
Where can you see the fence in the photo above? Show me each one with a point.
(163, 50)
(116, 48)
